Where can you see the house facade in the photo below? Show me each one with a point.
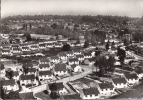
(119, 83)
(90, 93)
(60, 69)
(45, 75)
(28, 79)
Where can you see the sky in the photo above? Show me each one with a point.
(131, 8)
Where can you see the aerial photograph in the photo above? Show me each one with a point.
(71, 49)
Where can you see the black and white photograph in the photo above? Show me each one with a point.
(71, 49)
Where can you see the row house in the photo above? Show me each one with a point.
(31, 71)
(45, 75)
(34, 47)
(106, 89)
(132, 79)
(58, 45)
(28, 79)
(6, 52)
(119, 83)
(63, 57)
(60, 70)
(25, 49)
(9, 85)
(42, 46)
(23, 45)
(15, 46)
(54, 59)
(69, 54)
(5, 48)
(16, 51)
(72, 61)
(49, 45)
(87, 55)
(77, 52)
(80, 57)
(44, 61)
(44, 67)
(90, 93)
(70, 97)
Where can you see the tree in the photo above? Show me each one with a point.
(86, 44)
(30, 25)
(122, 54)
(13, 95)
(9, 74)
(111, 61)
(28, 37)
(125, 41)
(25, 69)
(54, 26)
(107, 45)
(53, 88)
(113, 44)
(66, 47)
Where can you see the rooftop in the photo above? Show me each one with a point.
(90, 91)
(60, 67)
(27, 77)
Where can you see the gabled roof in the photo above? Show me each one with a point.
(32, 70)
(25, 47)
(54, 57)
(42, 44)
(62, 54)
(49, 44)
(73, 59)
(87, 54)
(5, 50)
(60, 67)
(76, 51)
(71, 96)
(8, 82)
(34, 46)
(91, 91)
(44, 65)
(131, 76)
(79, 56)
(26, 95)
(106, 85)
(15, 45)
(27, 77)
(69, 52)
(44, 60)
(45, 73)
(119, 80)
(16, 49)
